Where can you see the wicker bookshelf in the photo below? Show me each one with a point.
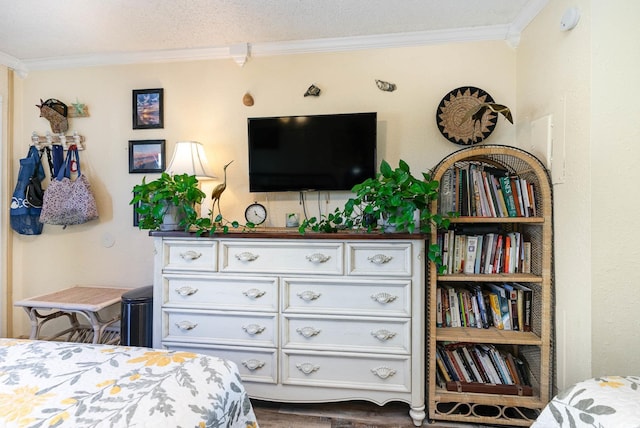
(537, 345)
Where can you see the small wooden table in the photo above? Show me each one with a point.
(69, 302)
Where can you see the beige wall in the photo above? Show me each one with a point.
(615, 152)
(585, 79)
(554, 79)
(203, 101)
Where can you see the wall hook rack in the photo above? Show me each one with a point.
(50, 139)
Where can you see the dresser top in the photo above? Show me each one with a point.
(292, 233)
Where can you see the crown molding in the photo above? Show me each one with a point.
(398, 40)
(342, 44)
(13, 63)
(530, 10)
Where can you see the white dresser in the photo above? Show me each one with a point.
(313, 318)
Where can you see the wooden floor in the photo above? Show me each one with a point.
(338, 415)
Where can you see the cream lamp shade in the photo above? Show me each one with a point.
(189, 158)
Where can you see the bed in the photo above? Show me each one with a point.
(66, 384)
(612, 401)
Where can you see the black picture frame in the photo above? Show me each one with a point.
(146, 156)
(148, 108)
(136, 215)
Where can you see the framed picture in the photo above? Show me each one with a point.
(136, 216)
(148, 108)
(146, 156)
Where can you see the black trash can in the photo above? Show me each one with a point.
(137, 317)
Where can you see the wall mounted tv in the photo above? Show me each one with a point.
(315, 152)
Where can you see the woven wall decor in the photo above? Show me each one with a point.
(455, 124)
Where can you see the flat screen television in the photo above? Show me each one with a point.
(314, 152)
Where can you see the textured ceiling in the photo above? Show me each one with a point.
(32, 30)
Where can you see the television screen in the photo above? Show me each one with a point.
(316, 152)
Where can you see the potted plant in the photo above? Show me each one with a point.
(394, 200)
(167, 203)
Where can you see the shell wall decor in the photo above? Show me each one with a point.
(247, 99)
(313, 91)
(386, 86)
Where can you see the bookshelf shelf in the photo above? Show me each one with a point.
(490, 335)
(497, 220)
(479, 398)
(535, 346)
(497, 277)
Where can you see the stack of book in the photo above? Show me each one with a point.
(467, 367)
(505, 306)
(484, 253)
(477, 190)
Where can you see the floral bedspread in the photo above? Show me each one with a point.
(612, 401)
(61, 384)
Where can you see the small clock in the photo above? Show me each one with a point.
(255, 213)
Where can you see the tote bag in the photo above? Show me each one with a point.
(66, 201)
(25, 217)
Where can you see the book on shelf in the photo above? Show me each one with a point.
(447, 193)
(527, 304)
(502, 205)
(456, 362)
(505, 184)
(532, 200)
(446, 364)
(525, 197)
(484, 253)
(479, 190)
(439, 311)
(504, 304)
(454, 307)
(442, 369)
(496, 314)
(482, 209)
(481, 364)
(470, 254)
(517, 196)
(512, 297)
(526, 257)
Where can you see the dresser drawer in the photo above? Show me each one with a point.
(193, 255)
(254, 364)
(249, 329)
(357, 371)
(384, 259)
(380, 297)
(220, 292)
(273, 256)
(359, 334)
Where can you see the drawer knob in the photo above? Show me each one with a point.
(379, 259)
(383, 335)
(308, 331)
(253, 364)
(308, 295)
(190, 255)
(383, 372)
(383, 297)
(254, 293)
(186, 325)
(246, 256)
(307, 368)
(253, 329)
(186, 291)
(318, 258)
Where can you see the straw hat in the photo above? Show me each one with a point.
(454, 122)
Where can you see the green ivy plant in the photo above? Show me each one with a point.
(394, 200)
(153, 198)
